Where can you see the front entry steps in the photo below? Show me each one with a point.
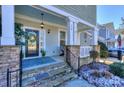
(51, 75)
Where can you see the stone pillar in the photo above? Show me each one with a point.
(9, 58)
(72, 55)
(72, 49)
(8, 30)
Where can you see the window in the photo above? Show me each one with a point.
(62, 38)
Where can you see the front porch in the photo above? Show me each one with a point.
(40, 62)
(61, 29)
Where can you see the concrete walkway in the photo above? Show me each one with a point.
(110, 60)
(76, 83)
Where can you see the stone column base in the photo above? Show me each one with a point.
(9, 58)
(72, 54)
(97, 48)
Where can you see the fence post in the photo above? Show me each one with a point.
(7, 78)
(78, 66)
(20, 69)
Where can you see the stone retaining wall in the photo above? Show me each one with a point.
(9, 58)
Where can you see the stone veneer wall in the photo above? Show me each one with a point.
(9, 58)
(70, 58)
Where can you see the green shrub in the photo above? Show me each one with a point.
(103, 50)
(104, 54)
(117, 69)
(94, 55)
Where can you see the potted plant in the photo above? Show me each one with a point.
(94, 54)
(43, 52)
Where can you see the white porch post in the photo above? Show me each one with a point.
(75, 33)
(78, 38)
(72, 31)
(8, 25)
(95, 37)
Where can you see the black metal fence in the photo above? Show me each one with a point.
(13, 78)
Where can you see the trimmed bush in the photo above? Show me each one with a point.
(117, 69)
(103, 50)
(94, 55)
(99, 74)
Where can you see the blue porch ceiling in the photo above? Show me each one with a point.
(35, 13)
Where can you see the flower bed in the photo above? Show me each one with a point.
(99, 74)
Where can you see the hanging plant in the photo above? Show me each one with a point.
(20, 35)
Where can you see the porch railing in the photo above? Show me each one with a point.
(85, 51)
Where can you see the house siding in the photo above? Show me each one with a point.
(85, 12)
(107, 32)
(85, 39)
(52, 47)
(102, 32)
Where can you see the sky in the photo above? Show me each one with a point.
(110, 13)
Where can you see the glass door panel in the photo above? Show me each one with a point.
(32, 45)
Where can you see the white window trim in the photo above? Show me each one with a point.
(62, 30)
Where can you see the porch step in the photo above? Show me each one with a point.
(46, 68)
(51, 75)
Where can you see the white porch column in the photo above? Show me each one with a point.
(72, 31)
(8, 37)
(95, 36)
(78, 38)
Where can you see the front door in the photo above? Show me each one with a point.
(32, 45)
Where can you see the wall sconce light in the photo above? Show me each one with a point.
(48, 31)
